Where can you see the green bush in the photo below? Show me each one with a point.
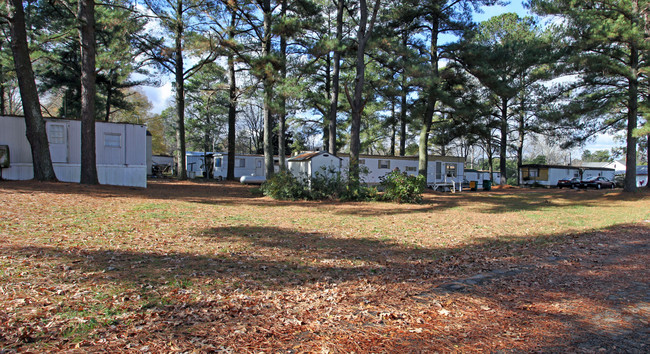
(403, 188)
(284, 186)
(326, 184)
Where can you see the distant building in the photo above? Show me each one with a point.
(618, 166)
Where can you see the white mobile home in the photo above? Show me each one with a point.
(245, 165)
(121, 151)
(443, 172)
(308, 164)
(479, 176)
(198, 164)
(549, 175)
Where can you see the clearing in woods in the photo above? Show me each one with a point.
(215, 266)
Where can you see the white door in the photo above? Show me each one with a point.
(259, 167)
(57, 136)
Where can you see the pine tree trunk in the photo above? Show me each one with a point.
(35, 125)
(334, 101)
(328, 94)
(268, 92)
(403, 108)
(363, 35)
(180, 94)
(393, 128)
(423, 151)
(520, 146)
(282, 154)
(503, 148)
(232, 103)
(629, 185)
(87, 40)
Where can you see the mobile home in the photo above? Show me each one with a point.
(199, 164)
(549, 175)
(308, 164)
(443, 172)
(245, 165)
(121, 151)
(479, 176)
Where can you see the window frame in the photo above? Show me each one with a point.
(108, 143)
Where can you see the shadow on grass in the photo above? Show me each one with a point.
(290, 264)
(236, 194)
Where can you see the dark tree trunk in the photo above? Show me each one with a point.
(268, 92)
(87, 40)
(328, 92)
(629, 184)
(356, 101)
(3, 110)
(403, 108)
(107, 109)
(393, 128)
(520, 143)
(334, 101)
(35, 125)
(283, 100)
(503, 148)
(180, 94)
(232, 103)
(423, 151)
(490, 158)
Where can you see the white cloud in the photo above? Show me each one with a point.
(159, 96)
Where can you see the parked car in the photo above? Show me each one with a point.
(597, 182)
(569, 183)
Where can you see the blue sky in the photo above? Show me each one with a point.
(489, 11)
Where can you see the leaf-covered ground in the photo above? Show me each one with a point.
(186, 266)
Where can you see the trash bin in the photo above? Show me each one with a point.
(487, 185)
(472, 185)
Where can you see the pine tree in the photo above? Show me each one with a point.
(609, 49)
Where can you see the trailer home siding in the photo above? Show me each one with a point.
(549, 175)
(307, 165)
(442, 171)
(120, 149)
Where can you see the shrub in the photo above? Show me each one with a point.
(284, 186)
(326, 184)
(403, 188)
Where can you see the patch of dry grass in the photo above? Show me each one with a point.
(212, 266)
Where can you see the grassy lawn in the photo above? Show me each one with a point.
(215, 266)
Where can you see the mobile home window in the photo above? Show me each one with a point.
(217, 162)
(451, 170)
(241, 163)
(384, 164)
(362, 161)
(259, 163)
(56, 134)
(438, 170)
(533, 172)
(112, 140)
(410, 169)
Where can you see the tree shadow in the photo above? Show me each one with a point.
(267, 287)
(236, 194)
